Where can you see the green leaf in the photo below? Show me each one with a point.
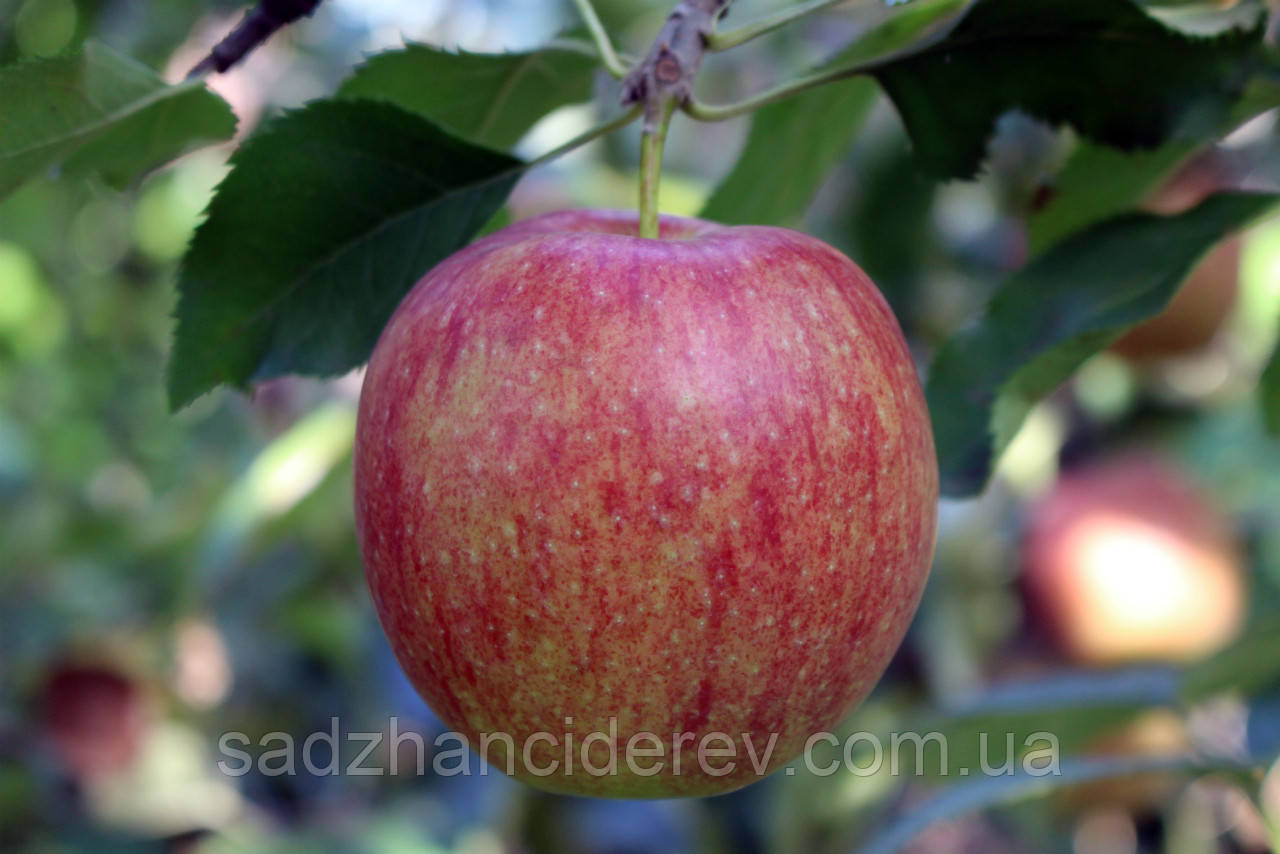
(1269, 387)
(329, 215)
(96, 110)
(986, 792)
(1000, 725)
(792, 146)
(491, 99)
(794, 143)
(888, 228)
(1099, 182)
(1248, 667)
(1076, 708)
(1103, 66)
(909, 25)
(1066, 305)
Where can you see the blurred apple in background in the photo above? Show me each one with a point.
(1125, 560)
(1202, 304)
(94, 716)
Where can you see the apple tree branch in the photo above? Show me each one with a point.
(665, 76)
(254, 28)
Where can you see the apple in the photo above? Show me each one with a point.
(1204, 301)
(94, 716)
(645, 489)
(1126, 560)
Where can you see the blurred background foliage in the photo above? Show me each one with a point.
(165, 579)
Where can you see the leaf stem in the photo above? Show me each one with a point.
(604, 46)
(718, 112)
(619, 121)
(652, 141)
(732, 38)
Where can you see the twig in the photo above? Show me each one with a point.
(254, 28)
(667, 73)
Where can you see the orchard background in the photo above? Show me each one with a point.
(177, 558)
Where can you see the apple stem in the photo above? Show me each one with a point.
(652, 140)
(662, 81)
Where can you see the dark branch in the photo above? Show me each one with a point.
(254, 28)
(667, 73)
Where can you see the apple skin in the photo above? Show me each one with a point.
(687, 483)
(1125, 560)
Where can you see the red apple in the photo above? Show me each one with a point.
(685, 486)
(1204, 301)
(94, 716)
(1125, 560)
